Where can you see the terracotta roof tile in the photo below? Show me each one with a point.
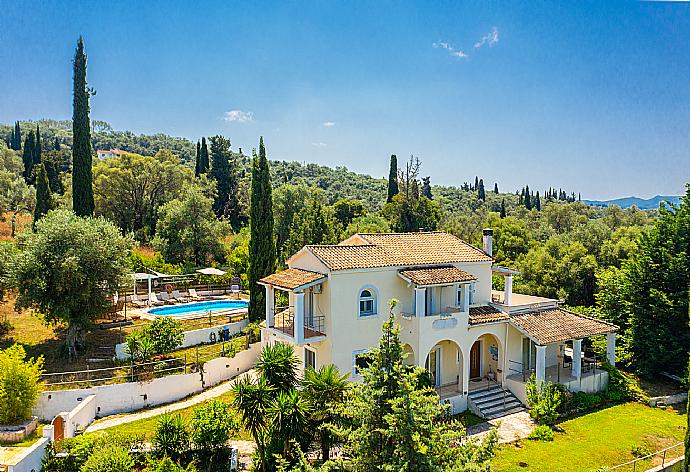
(558, 325)
(291, 279)
(486, 314)
(399, 249)
(437, 275)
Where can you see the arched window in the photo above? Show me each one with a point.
(367, 302)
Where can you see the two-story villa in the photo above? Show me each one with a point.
(479, 345)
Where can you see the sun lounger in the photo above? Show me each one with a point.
(176, 295)
(193, 295)
(165, 298)
(235, 290)
(137, 301)
(153, 299)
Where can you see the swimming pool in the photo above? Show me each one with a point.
(198, 307)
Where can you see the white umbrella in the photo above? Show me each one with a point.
(211, 271)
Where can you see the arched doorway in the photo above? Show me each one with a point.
(409, 352)
(486, 358)
(444, 362)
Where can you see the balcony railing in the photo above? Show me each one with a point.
(284, 321)
(448, 312)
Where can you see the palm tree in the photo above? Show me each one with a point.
(251, 400)
(288, 413)
(325, 389)
(278, 365)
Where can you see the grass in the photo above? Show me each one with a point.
(147, 426)
(602, 438)
(467, 418)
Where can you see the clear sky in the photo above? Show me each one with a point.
(591, 96)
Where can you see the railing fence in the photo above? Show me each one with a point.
(664, 453)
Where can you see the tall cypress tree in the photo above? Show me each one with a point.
(204, 162)
(17, 143)
(393, 188)
(43, 195)
(528, 200)
(481, 192)
(426, 188)
(503, 208)
(82, 176)
(196, 161)
(224, 173)
(537, 202)
(37, 147)
(56, 144)
(476, 183)
(496, 188)
(28, 155)
(262, 245)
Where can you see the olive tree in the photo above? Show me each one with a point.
(68, 269)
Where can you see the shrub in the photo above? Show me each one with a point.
(253, 331)
(80, 449)
(170, 439)
(212, 424)
(641, 450)
(165, 465)
(111, 458)
(165, 334)
(5, 327)
(541, 433)
(621, 388)
(19, 384)
(543, 400)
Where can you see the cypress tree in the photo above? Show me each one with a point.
(197, 163)
(262, 245)
(476, 183)
(56, 144)
(481, 192)
(528, 200)
(28, 155)
(82, 176)
(204, 162)
(17, 144)
(503, 208)
(223, 171)
(393, 188)
(426, 188)
(37, 148)
(53, 176)
(537, 202)
(496, 188)
(43, 196)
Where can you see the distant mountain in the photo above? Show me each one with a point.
(641, 203)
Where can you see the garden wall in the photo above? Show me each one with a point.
(30, 459)
(126, 397)
(194, 337)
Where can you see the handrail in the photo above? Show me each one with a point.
(636, 460)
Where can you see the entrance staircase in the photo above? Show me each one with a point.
(494, 402)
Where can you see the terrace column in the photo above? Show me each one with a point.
(420, 302)
(611, 348)
(270, 306)
(577, 358)
(298, 321)
(540, 369)
(466, 298)
(508, 290)
(465, 373)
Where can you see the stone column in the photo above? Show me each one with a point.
(611, 348)
(270, 306)
(466, 373)
(420, 302)
(577, 358)
(508, 290)
(466, 298)
(299, 318)
(540, 367)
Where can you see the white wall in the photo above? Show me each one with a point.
(125, 397)
(193, 337)
(80, 417)
(30, 459)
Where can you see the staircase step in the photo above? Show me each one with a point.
(487, 398)
(505, 413)
(499, 408)
(497, 402)
(482, 393)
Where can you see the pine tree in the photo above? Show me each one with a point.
(537, 202)
(393, 178)
(43, 195)
(503, 208)
(426, 188)
(528, 200)
(481, 191)
(496, 188)
(204, 162)
(28, 155)
(197, 163)
(37, 148)
(82, 176)
(262, 245)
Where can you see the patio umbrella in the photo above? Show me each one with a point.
(211, 271)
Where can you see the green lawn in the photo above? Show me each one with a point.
(603, 438)
(147, 426)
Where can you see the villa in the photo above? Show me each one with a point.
(479, 345)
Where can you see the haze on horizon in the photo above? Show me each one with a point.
(592, 97)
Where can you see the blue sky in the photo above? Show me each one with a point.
(589, 96)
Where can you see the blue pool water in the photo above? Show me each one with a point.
(199, 307)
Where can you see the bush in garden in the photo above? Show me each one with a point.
(171, 437)
(165, 465)
(110, 458)
(621, 388)
(165, 334)
(80, 449)
(19, 384)
(543, 400)
(211, 425)
(541, 433)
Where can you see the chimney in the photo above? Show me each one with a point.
(487, 239)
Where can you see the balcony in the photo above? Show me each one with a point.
(313, 327)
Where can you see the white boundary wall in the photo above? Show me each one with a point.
(126, 397)
(193, 337)
(30, 459)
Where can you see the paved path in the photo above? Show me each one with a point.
(218, 390)
(510, 428)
